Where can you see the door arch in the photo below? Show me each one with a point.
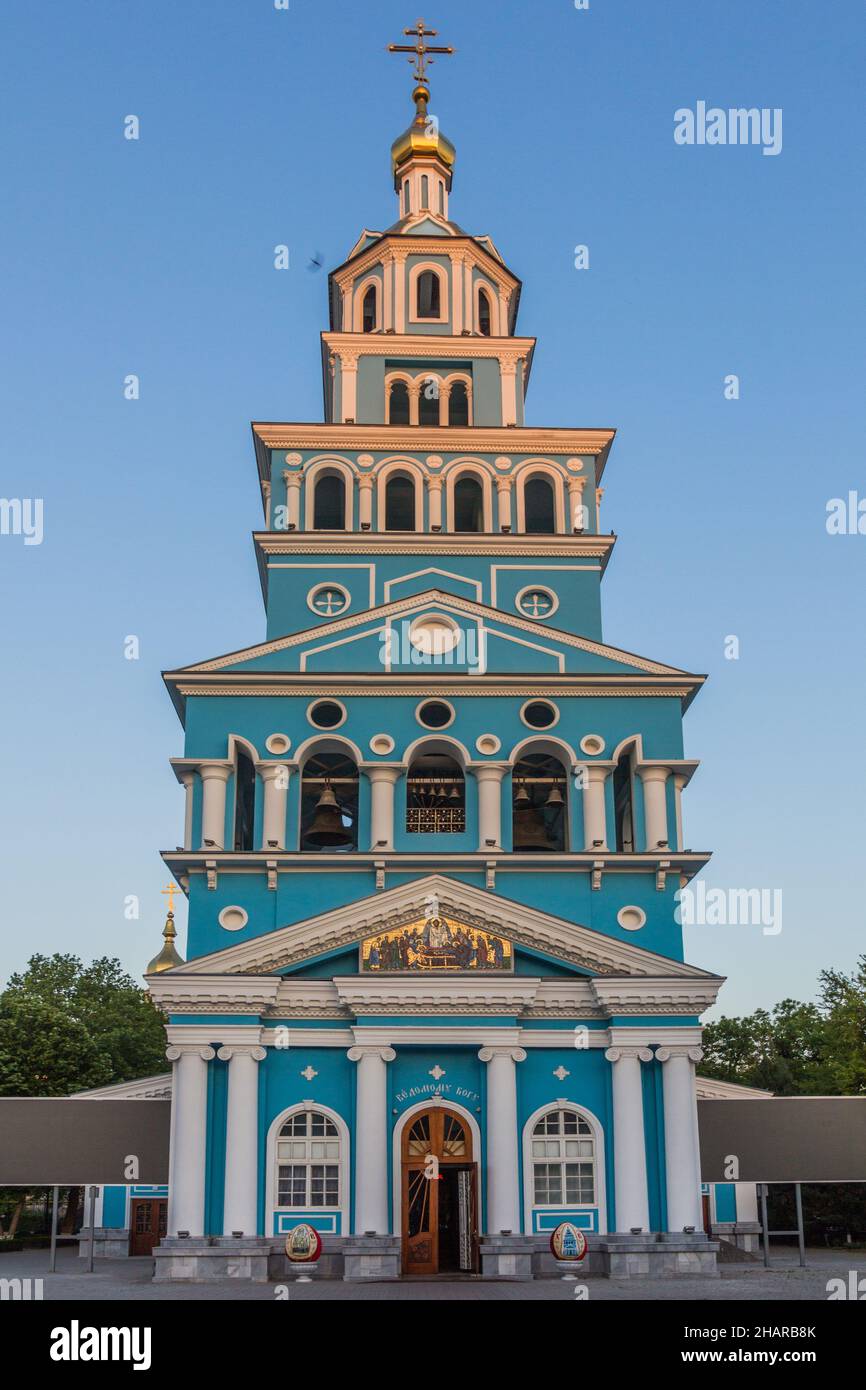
(438, 1186)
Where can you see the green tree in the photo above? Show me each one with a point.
(67, 1027)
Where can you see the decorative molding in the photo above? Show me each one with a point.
(498, 439)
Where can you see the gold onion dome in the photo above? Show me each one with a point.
(168, 956)
(423, 138)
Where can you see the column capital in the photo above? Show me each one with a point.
(218, 772)
(595, 772)
(383, 772)
(517, 1054)
(175, 1052)
(292, 479)
(615, 1054)
(269, 772)
(490, 772)
(504, 484)
(358, 1053)
(253, 1050)
(652, 772)
(665, 1054)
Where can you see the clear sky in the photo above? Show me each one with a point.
(261, 126)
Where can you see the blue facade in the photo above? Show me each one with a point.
(433, 834)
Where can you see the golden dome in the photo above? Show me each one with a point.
(168, 956)
(423, 137)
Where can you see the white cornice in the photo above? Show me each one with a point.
(419, 994)
(672, 996)
(449, 439)
(492, 544)
(146, 1088)
(217, 993)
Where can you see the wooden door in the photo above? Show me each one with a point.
(148, 1221)
(434, 1142)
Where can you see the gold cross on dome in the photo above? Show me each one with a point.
(170, 892)
(420, 49)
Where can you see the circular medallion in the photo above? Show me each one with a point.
(303, 1244)
(567, 1242)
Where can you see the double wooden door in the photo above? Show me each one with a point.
(440, 1227)
(148, 1221)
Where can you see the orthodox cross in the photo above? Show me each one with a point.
(170, 892)
(419, 50)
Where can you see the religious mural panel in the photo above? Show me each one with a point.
(435, 943)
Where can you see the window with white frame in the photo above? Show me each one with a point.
(308, 1161)
(563, 1160)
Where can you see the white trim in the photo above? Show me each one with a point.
(397, 1160)
(415, 273)
(233, 911)
(278, 743)
(595, 739)
(310, 478)
(535, 569)
(329, 565)
(600, 1204)
(385, 739)
(631, 911)
(271, 1208)
(446, 574)
(493, 740)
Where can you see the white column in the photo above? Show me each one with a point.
(508, 373)
(503, 488)
(382, 781)
(240, 1206)
(489, 778)
(293, 500)
(188, 781)
(655, 804)
(594, 808)
(186, 1162)
(503, 1187)
(371, 1142)
(578, 520)
(682, 1150)
(275, 780)
(348, 386)
(680, 780)
(457, 295)
(214, 777)
(365, 501)
(629, 1152)
(434, 494)
(388, 294)
(400, 291)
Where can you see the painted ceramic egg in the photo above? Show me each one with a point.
(303, 1244)
(567, 1242)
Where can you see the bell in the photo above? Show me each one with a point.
(327, 828)
(454, 794)
(529, 829)
(555, 797)
(521, 796)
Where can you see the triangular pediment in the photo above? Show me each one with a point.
(477, 910)
(489, 640)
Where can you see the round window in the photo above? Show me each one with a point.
(535, 602)
(538, 714)
(328, 599)
(434, 714)
(434, 636)
(326, 714)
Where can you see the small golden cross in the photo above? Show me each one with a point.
(170, 892)
(420, 49)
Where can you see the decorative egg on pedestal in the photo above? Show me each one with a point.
(568, 1247)
(303, 1247)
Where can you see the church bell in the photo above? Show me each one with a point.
(529, 828)
(327, 828)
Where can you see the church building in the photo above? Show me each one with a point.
(434, 1000)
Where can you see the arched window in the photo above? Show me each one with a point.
(308, 1161)
(329, 804)
(441, 199)
(539, 509)
(245, 800)
(400, 503)
(329, 505)
(428, 301)
(407, 198)
(539, 804)
(622, 805)
(428, 401)
(468, 504)
(458, 404)
(435, 796)
(425, 191)
(368, 313)
(484, 313)
(398, 403)
(563, 1161)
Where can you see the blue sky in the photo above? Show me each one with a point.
(155, 257)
